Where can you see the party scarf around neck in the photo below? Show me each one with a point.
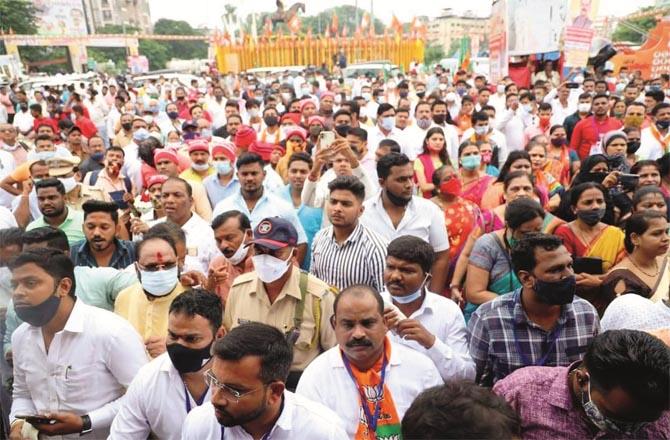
(380, 413)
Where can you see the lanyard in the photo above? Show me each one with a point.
(198, 402)
(371, 419)
(553, 336)
(595, 127)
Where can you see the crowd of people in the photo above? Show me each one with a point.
(300, 255)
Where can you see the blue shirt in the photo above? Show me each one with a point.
(269, 205)
(216, 191)
(310, 219)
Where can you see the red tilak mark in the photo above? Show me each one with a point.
(159, 257)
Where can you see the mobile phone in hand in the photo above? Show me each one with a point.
(36, 419)
(326, 139)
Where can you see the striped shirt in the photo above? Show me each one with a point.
(502, 338)
(359, 260)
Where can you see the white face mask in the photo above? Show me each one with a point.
(200, 166)
(69, 183)
(482, 129)
(583, 107)
(240, 254)
(270, 268)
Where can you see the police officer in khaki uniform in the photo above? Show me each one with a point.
(64, 169)
(278, 293)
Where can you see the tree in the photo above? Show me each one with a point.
(625, 33)
(186, 50)
(454, 47)
(157, 52)
(433, 54)
(19, 16)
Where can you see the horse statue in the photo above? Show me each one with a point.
(281, 16)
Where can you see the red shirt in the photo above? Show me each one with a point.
(86, 126)
(589, 132)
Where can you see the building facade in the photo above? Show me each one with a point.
(450, 26)
(131, 13)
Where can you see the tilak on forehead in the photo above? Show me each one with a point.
(159, 257)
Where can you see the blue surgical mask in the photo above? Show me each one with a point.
(97, 157)
(388, 123)
(223, 167)
(471, 162)
(141, 134)
(159, 282)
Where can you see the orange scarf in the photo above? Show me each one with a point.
(386, 422)
(664, 141)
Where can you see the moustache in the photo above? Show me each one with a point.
(359, 343)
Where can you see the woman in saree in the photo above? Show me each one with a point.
(434, 156)
(461, 216)
(474, 183)
(516, 161)
(486, 151)
(490, 271)
(562, 163)
(643, 270)
(595, 246)
(537, 150)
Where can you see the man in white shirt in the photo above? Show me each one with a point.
(341, 376)
(424, 321)
(511, 123)
(384, 129)
(439, 112)
(177, 199)
(72, 362)
(249, 396)
(482, 131)
(165, 390)
(396, 211)
(257, 203)
(416, 133)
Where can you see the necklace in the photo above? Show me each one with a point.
(630, 257)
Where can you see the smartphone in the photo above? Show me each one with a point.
(36, 419)
(326, 139)
(572, 85)
(117, 197)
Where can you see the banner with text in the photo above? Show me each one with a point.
(498, 59)
(579, 32)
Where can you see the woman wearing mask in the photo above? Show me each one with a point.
(474, 184)
(595, 246)
(462, 217)
(486, 151)
(643, 270)
(434, 156)
(615, 145)
(562, 162)
(490, 272)
(634, 135)
(618, 108)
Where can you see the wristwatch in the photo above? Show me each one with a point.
(86, 425)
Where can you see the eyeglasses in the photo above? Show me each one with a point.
(228, 393)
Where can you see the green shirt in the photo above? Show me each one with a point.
(72, 226)
(95, 286)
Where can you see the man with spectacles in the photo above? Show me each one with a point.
(278, 293)
(146, 304)
(249, 397)
(166, 390)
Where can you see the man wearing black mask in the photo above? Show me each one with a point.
(72, 361)
(396, 211)
(165, 391)
(540, 324)
(271, 133)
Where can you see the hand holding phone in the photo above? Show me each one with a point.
(36, 419)
(326, 139)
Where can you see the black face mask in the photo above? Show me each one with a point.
(439, 119)
(404, 94)
(188, 360)
(271, 121)
(595, 177)
(127, 126)
(40, 314)
(556, 293)
(342, 130)
(591, 216)
(632, 147)
(397, 200)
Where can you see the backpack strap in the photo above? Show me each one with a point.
(128, 184)
(94, 178)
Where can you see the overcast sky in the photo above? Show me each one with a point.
(208, 12)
